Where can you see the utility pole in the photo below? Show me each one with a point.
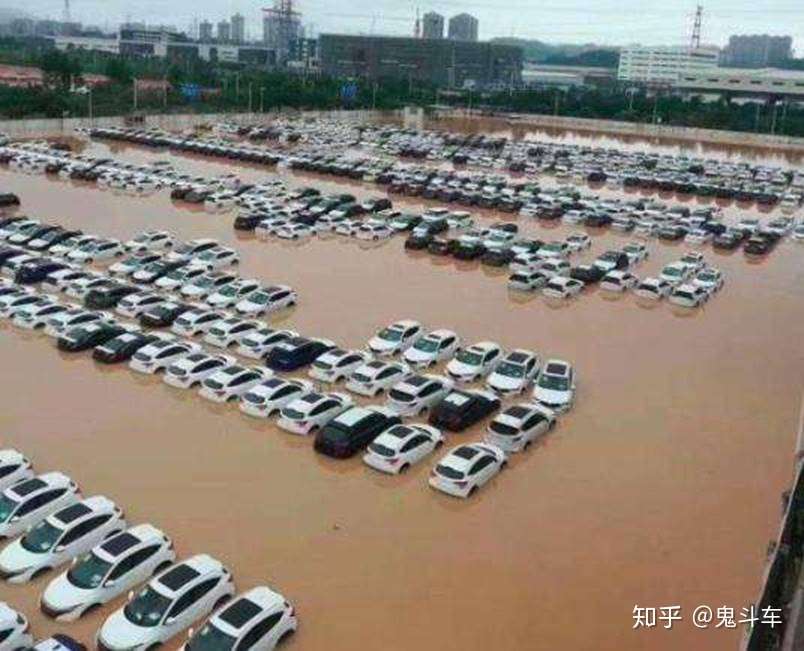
(374, 97)
(262, 99)
(655, 108)
(164, 91)
(756, 124)
(135, 93)
(249, 98)
(558, 97)
(89, 97)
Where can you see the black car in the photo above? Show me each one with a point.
(376, 205)
(248, 222)
(672, 232)
(296, 353)
(613, 260)
(36, 234)
(37, 270)
(498, 257)
(469, 251)
(759, 244)
(53, 238)
(108, 296)
(407, 221)
(587, 273)
(419, 241)
(153, 271)
(163, 315)
(442, 246)
(89, 336)
(597, 220)
(8, 252)
(462, 409)
(353, 430)
(122, 347)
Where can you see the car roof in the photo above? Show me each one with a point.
(353, 416)
(440, 334)
(10, 456)
(82, 510)
(135, 536)
(484, 346)
(519, 356)
(29, 487)
(556, 367)
(178, 577)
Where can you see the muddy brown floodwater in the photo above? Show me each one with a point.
(661, 487)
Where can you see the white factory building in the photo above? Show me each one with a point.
(664, 65)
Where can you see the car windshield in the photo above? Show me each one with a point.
(293, 414)
(469, 357)
(503, 429)
(147, 608)
(41, 538)
(260, 298)
(7, 508)
(553, 382)
(400, 396)
(88, 572)
(672, 271)
(228, 291)
(427, 345)
(511, 370)
(211, 638)
(448, 472)
(390, 334)
(205, 281)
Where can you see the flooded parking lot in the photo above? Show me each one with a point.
(661, 487)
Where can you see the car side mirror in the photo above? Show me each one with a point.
(59, 548)
(190, 632)
(16, 518)
(74, 562)
(169, 621)
(109, 583)
(131, 595)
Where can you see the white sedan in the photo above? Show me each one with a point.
(178, 278)
(81, 287)
(61, 536)
(268, 397)
(108, 571)
(373, 230)
(63, 321)
(135, 305)
(312, 411)
(15, 628)
(232, 382)
(519, 426)
(475, 362)
(689, 296)
(618, 281)
(133, 263)
(432, 348)
(267, 300)
(33, 317)
(710, 279)
(396, 338)
(160, 355)
(172, 601)
(196, 321)
(401, 446)
(27, 502)
(636, 252)
(555, 385)
(151, 241)
(418, 393)
(97, 251)
(337, 364)
(258, 343)
(59, 280)
(231, 294)
(577, 242)
(653, 288)
(216, 258)
(230, 331)
(14, 467)
(10, 304)
(561, 287)
(376, 377)
(514, 373)
(466, 468)
(192, 370)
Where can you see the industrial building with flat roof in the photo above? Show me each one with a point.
(454, 64)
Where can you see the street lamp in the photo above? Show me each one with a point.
(262, 99)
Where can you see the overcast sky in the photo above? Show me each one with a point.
(616, 22)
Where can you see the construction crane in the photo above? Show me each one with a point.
(696, 28)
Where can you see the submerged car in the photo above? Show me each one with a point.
(402, 446)
(555, 386)
(467, 468)
(461, 409)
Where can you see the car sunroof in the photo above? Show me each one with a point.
(240, 612)
(119, 544)
(178, 577)
(73, 512)
(28, 487)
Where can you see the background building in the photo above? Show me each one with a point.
(205, 31)
(432, 25)
(224, 31)
(280, 27)
(736, 83)
(757, 51)
(463, 27)
(455, 64)
(664, 64)
(238, 28)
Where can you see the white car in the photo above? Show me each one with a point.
(267, 300)
(396, 338)
(151, 241)
(216, 258)
(160, 355)
(112, 568)
(188, 250)
(230, 331)
(373, 230)
(14, 467)
(59, 280)
(61, 536)
(516, 428)
(527, 281)
(172, 601)
(475, 362)
(675, 273)
(514, 373)
(528, 261)
(553, 250)
(178, 278)
(97, 251)
(192, 370)
(258, 343)
(466, 468)
(133, 263)
(312, 411)
(206, 284)
(418, 393)
(636, 252)
(232, 382)
(698, 237)
(27, 502)
(37, 315)
(134, 306)
(653, 288)
(269, 396)
(434, 347)
(561, 287)
(337, 364)
(81, 287)
(459, 220)
(710, 279)
(196, 321)
(231, 294)
(16, 262)
(555, 386)
(694, 261)
(14, 630)
(294, 231)
(376, 377)
(257, 620)
(401, 446)
(555, 268)
(18, 226)
(63, 321)
(618, 281)
(577, 242)
(688, 295)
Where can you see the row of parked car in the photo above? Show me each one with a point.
(50, 525)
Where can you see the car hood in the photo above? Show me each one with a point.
(504, 382)
(119, 633)
(551, 396)
(459, 368)
(60, 594)
(414, 355)
(381, 344)
(15, 558)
